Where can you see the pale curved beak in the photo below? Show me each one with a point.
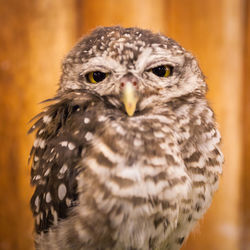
(129, 98)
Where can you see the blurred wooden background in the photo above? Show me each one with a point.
(35, 36)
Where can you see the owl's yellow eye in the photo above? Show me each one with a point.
(96, 76)
(163, 70)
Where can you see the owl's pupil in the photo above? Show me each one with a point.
(99, 76)
(159, 71)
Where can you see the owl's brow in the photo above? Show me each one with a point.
(158, 62)
(150, 58)
(105, 63)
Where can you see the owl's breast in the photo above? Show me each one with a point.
(139, 162)
(136, 178)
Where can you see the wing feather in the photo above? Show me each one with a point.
(56, 154)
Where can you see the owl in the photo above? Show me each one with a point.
(126, 155)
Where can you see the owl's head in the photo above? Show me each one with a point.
(142, 69)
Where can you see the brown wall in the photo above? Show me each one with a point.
(35, 36)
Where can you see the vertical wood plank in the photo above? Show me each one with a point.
(15, 219)
(245, 215)
(34, 38)
(213, 30)
(142, 13)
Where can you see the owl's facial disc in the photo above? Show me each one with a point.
(106, 60)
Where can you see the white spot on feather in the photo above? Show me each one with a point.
(71, 146)
(37, 203)
(47, 119)
(41, 131)
(64, 143)
(102, 118)
(48, 197)
(42, 143)
(86, 120)
(88, 136)
(68, 202)
(36, 158)
(63, 169)
(62, 190)
(47, 172)
(76, 132)
(37, 177)
(39, 143)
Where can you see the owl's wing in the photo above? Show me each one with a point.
(60, 140)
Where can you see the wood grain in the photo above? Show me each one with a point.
(142, 13)
(245, 194)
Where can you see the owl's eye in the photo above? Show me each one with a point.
(96, 76)
(163, 70)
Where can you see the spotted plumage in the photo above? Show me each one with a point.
(126, 155)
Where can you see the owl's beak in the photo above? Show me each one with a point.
(129, 97)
